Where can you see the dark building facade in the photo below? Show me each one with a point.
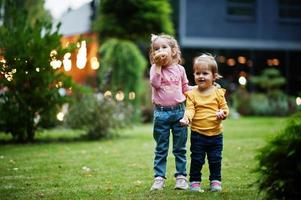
(247, 36)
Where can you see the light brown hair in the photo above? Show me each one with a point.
(172, 42)
(210, 61)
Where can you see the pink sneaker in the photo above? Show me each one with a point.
(195, 186)
(215, 186)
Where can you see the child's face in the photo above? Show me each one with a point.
(203, 76)
(161, 47)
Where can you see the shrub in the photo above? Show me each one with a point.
(259, 104)
(241, 101)
(29, 85)
(272, 101)
(278, 104)
(98, 116)
(280, 163)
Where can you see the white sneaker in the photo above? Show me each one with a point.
(158, 184)
(181, 183)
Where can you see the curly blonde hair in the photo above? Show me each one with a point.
(208, 59)
(172, 42)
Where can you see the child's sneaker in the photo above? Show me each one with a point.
(215, 186)
(158, 184)
(181, 183)
(195, 186)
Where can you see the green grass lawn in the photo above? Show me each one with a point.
(121, 168)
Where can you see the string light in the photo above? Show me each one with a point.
(298, 101)
(242, 60)
(108, 94)
(242, 80)
(132, 95)
(231, 62)
(81, 58)
(119, 96)
(67, 62)
(94, 63)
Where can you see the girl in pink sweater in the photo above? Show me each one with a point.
(169, 83)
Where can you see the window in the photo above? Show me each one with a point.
(241, 9)
(289, 10)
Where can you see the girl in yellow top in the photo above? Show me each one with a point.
(206, 107)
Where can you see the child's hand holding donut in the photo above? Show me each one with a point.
(160, 59)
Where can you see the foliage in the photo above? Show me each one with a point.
(34, 8)
(280, 163)
(29, 85)
(133, 19)
(272, 102)
(122, 69)
(260, 104)
(240, 101)
(270, 80)
(98, 116)
(146, 102)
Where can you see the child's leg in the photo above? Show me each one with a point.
(179, 148)
(198, 149)
(161, 135)
(215, 157)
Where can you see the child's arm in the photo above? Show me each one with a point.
(189, 111)
(155, 76)
(184, 79)
(223, 112)
(184, 121)
(160, 59)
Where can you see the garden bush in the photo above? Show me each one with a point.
(29, 86)
(280, 163)
(98, 116)
(262, 104)
(240, 101)
(268, 99)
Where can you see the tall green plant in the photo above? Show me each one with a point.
(35, 10)
(133, 19)
(122, 67)
(29, 85)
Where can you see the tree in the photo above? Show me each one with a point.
(270, 80)
(35, 10)
(133, 20)
(29, 85)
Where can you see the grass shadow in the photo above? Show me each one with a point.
(61, 135)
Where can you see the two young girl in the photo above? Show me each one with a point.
(205, 108)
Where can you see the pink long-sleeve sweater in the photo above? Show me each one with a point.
(168, 86)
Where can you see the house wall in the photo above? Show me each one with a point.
(207, 24)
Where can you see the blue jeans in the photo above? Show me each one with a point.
(202, 145)
(166, 120)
